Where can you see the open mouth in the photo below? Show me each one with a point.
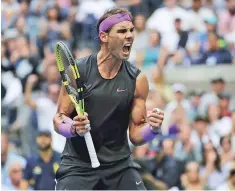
(126, 48)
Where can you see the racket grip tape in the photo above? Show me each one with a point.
(91, 150)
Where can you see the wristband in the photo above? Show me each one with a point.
(65, 128)
(148, 134)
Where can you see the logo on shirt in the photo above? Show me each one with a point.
(121, 90)
(37, 170)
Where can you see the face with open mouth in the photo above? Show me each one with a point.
(121, 38)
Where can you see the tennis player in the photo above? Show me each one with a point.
(115, 94)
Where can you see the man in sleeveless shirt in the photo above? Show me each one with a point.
(115, 95)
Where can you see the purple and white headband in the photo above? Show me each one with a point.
(113, 20)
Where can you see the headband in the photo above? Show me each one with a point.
(113, 20)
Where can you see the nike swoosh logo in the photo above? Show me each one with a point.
(137, 183)
(121, 90)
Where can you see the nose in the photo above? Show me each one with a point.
(129, 34)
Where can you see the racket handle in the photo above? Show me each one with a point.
(91, 149)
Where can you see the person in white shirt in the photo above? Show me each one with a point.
(217, 87)
(178, 101)
(197, 15)
(95, 7)
(162, 20)
(45, 108)
(230, 183)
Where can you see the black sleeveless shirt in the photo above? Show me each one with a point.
(108, 103)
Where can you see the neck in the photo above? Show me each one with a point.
(16, 184)
(108, 65)
(46, 155)
(196, 9)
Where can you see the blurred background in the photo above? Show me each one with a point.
(185, 47)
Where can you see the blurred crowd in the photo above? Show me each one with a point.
(197, 149)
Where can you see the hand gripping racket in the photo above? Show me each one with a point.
(71, 79)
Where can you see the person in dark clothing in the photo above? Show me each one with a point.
(216, 52)
(183, 35)
(115, 96)
(40, 169)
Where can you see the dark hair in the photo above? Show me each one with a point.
(224, 137)
(217, 160)
(110, 13)
(57, 8)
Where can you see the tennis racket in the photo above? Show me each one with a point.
(71, 79)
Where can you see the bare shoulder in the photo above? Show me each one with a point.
(142, 86)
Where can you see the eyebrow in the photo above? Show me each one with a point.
(122, 30)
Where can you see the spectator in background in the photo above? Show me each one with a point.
(162, 20)
(158, 80)
(185, 151)
(166, 165)
(200, 135)
(163, 166)
(233, 130)
(13, 91)
(195, 98)
(178, 101)
(21, 26)
(190, 180)
(178, 55)
(22, 61)
(152, 52)
(224, 102)
(8, 157)
(15, 172)
(154, 100)
(226, 18)
(9, 9)
(215, 53)
(218, 126)
(177, 119)
(45, 108)
(227, 154)
(135, 6)
(230, 182)
(197, 41)
(53, 29)
(141, 40)
(95, 7)
(211, 172)
(217, 87)
(41, 167)
(198, 14)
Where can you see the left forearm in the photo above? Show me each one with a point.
(135, 135)
(141, 134)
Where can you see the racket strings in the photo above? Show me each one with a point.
(71, 82)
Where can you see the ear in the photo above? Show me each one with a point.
(103, 36)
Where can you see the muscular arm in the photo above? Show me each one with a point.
(138, 113)
(65, 108)
(69, 127)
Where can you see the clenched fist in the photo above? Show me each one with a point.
(81, 124)
(155, 119)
